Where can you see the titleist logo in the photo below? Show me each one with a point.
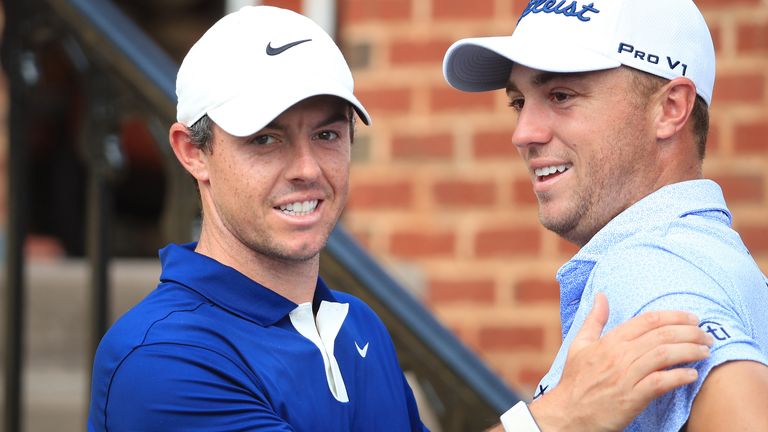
(571, 9)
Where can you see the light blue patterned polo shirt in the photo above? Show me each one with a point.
(674, 249)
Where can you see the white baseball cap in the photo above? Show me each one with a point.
(668, 38)
(254, 64)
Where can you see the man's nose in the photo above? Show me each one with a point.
(533, 127)
(304, 165)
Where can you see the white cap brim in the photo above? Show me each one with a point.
(247, 114)
(483, 64)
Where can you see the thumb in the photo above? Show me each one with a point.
(595, 321)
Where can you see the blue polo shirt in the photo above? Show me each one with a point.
(674, 249)
(211, 350)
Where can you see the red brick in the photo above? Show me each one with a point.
(445, 98)
(462, 9)
(493, 145)
(713, 139)
(294, 5)
(410, 51)
(755, 237)
(356, 11)
(474, 291)
(713, 4)
(420, 244)
(522, 192)
(753, 37)
(566, 248)
(437, 146)
(537, 290)
(363, 238)
(385, 99)
(518, 6)
(717, 37)
(464, 336)
(381, 195)
(749, 88)
(464, 193)
(741, 188)
(139, 145)
(511, 337)
(750, 137)
(510, 241)
(531, 376)
(43, 247)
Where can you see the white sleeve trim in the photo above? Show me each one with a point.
(519, 419)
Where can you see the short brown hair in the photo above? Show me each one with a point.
(646, 84)
(201, 133)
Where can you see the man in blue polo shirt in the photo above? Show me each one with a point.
(241, 334)
(611, 104)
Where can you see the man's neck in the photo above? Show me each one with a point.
(294, 280)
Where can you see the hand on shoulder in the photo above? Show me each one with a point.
(609, 380)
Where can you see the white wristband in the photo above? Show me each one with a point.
(519, 419)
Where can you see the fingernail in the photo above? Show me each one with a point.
(693, 318)
(710, 340)
(704, 349)
(693, 373)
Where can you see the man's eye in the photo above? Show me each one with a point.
(263, 139)
(517, 103)
(327, 135)
(560, 97)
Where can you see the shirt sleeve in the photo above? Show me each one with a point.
(645, 279)
(170, 387)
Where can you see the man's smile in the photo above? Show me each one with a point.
(299, 208)
(548, 171)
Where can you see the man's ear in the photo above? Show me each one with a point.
(676, 99)
(191, 157)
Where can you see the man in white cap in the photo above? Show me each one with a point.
(241, 334)
(611, 103)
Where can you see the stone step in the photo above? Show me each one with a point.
(56, 362)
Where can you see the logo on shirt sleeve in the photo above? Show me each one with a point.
(716, 329)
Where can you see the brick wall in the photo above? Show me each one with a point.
(438, 187)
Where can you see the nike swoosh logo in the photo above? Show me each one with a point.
(362, 351)
(275, 51)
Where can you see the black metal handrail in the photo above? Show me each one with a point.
(124, 48)
(412, 314)
(471, 395)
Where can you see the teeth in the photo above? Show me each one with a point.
(543, 172)
(299, 208)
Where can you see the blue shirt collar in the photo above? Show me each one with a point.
(661, 207)
(227, 287)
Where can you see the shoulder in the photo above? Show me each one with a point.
(704, 257)
(164, 304)
(674, 272)
(667, 274)
(142, 324)
(645, 269)
(159, 385)
(145, 355)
